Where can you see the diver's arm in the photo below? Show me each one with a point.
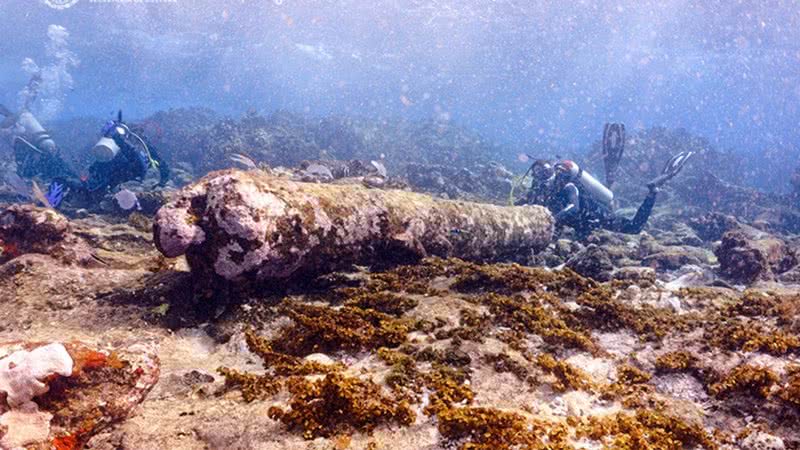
(572, 208)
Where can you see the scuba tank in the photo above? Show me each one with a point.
(105, 149)
(39, 138)
(590, 184)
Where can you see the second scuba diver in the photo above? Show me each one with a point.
(121, 155)
(580, 201)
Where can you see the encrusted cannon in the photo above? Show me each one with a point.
(250, 225)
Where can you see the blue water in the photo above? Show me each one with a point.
(525, 74)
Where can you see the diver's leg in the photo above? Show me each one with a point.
(636, 225)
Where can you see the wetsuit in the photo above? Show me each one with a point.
(130, 163)
(572, 208)
(32, 162)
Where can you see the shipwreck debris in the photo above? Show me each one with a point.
(235, 225)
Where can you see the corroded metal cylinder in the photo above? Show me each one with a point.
(241, 225)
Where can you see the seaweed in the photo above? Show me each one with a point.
(252, 386)
(339, 404)
(651, 323)
(646, 429)
(630, 375)
(753, 380)
(520, 314)
(790, 393)
(473, 326)
(325, 329)
(749, 336)
(503, 363)
(567, 376)
(384, 302)
(448, 386)
(677, 361)
(487, 429)
(513, 278)
(277, 364)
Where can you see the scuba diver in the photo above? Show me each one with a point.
(36, 153)
(121, 155)
(580, 201)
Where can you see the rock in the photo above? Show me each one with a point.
(791, 276)
(593, 262)
(238, 225)
(24, 427)
(690, 276)
(674, 257)
(746, 256)
(31, 229)
(712, 226)
(337, 168)
(319, 358)
(22, 373)
(681, 234)
(759, 440)
(100, 388)
(639, 275)
(480, 181)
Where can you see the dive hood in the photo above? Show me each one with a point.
(105, 149)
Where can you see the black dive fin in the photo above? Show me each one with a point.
(613, 147)
(671, 168)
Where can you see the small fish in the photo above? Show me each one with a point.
(244, 160)
(99, 259)
(380, 168)
(524, 157)
(161, 310)
(459, 231)
(126, 200)
(319, 170)
(317, 52)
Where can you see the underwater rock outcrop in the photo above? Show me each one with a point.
(747, 255)
(248, 224)
(60, 395)
(31, 229)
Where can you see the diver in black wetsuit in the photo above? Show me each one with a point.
(580, 201)
(36, 153)
(121, 155)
